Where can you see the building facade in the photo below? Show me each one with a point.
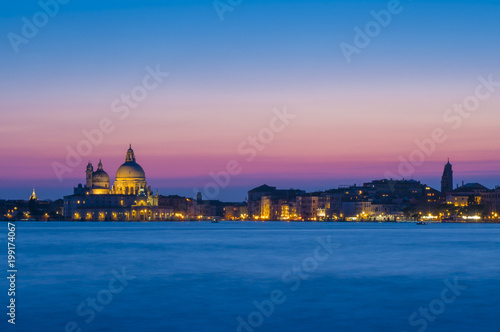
(129, 199)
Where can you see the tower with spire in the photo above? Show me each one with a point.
(447, 179)
(89, 172)
(130, 155)
(33, 196)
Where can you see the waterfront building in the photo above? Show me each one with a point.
(255, 199)
(356, 209)
(308, 206)
(130, 198)
(270, 203)
(178, 205)
(491, 200)
(466, 195)
(330, 205)
(200, 209)
(236, 211)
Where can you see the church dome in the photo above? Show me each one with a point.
(100, 179)
(130, 169)
(100, 176)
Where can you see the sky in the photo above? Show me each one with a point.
(354, 103)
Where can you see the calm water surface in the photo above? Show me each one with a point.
(208, 277)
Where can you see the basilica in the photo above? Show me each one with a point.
(129, 198)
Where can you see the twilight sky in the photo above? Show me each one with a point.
(353, 122)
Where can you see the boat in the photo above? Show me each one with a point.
(421, 223)
(215, 221)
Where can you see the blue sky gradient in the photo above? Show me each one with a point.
(227, 76)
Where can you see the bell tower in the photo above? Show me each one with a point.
(447, 179)
(89, 172)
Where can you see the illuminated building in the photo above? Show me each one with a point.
(129, 199)
(236, 211)
(307, 207)
(33, 196)
(200, 209)
(130, 177)
(269, 203)
(466, 195)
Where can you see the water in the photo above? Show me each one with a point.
(203, 277)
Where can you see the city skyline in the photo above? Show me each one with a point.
(237, 165)
(240, 193)
(354, 119)
(130, 198)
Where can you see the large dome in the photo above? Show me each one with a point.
(130, 170)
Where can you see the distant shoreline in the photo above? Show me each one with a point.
(252, 221)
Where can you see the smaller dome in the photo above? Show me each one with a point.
(100, 176)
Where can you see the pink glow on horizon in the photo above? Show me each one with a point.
(355, 132)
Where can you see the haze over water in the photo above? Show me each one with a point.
(202, 276)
